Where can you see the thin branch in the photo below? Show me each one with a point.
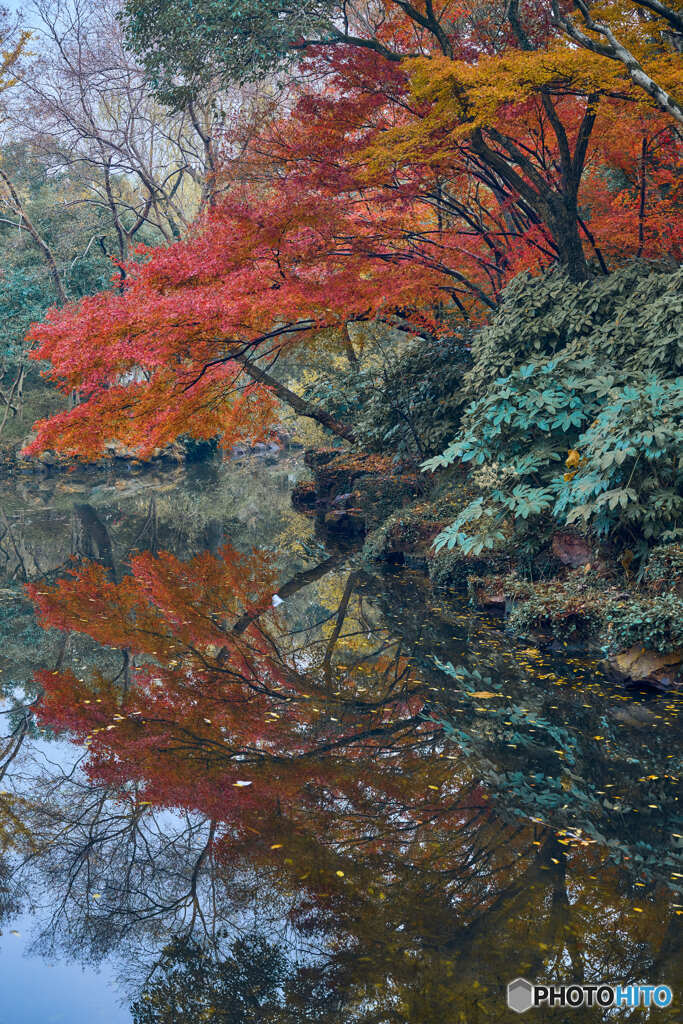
(37, 238)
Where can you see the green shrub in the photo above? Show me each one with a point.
(655, 623)
(403, 399)
(566, 374)
(413, 405)
(571, 609)
(630, 318)
(629, 480)
(518, 436)
(412, 526)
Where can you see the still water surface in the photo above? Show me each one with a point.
(265, 783)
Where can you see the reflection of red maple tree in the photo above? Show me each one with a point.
(215, 718)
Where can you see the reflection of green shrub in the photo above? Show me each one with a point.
(192, 983)
(538, 752)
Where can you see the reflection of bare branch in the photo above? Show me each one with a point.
(13, 747)
(341, 615)
(22, 553)
(297, 583)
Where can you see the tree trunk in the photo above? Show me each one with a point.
(568, 239)
(558, 211)
(295, 402)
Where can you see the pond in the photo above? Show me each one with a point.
(245, 778)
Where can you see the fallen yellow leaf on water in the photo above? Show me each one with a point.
(276, 846)
(340, 874)
(484, 694)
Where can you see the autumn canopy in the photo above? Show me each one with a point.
(418, 158)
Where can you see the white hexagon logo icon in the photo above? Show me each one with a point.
(520, 995)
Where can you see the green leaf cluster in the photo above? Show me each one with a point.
(663, 572)
(630, 480)
(403, 398)
(187, 44)
(412, 406)
(630, 319)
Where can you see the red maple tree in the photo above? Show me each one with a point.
(417, 172)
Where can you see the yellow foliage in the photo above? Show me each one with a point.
(458, 97)
(8, 58)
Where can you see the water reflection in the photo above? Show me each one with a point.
(303, 792)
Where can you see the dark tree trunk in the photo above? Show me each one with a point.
(566, 234)
(296, 402)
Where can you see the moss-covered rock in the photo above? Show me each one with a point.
(664, 570)
(405, 538)
(641, 633)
